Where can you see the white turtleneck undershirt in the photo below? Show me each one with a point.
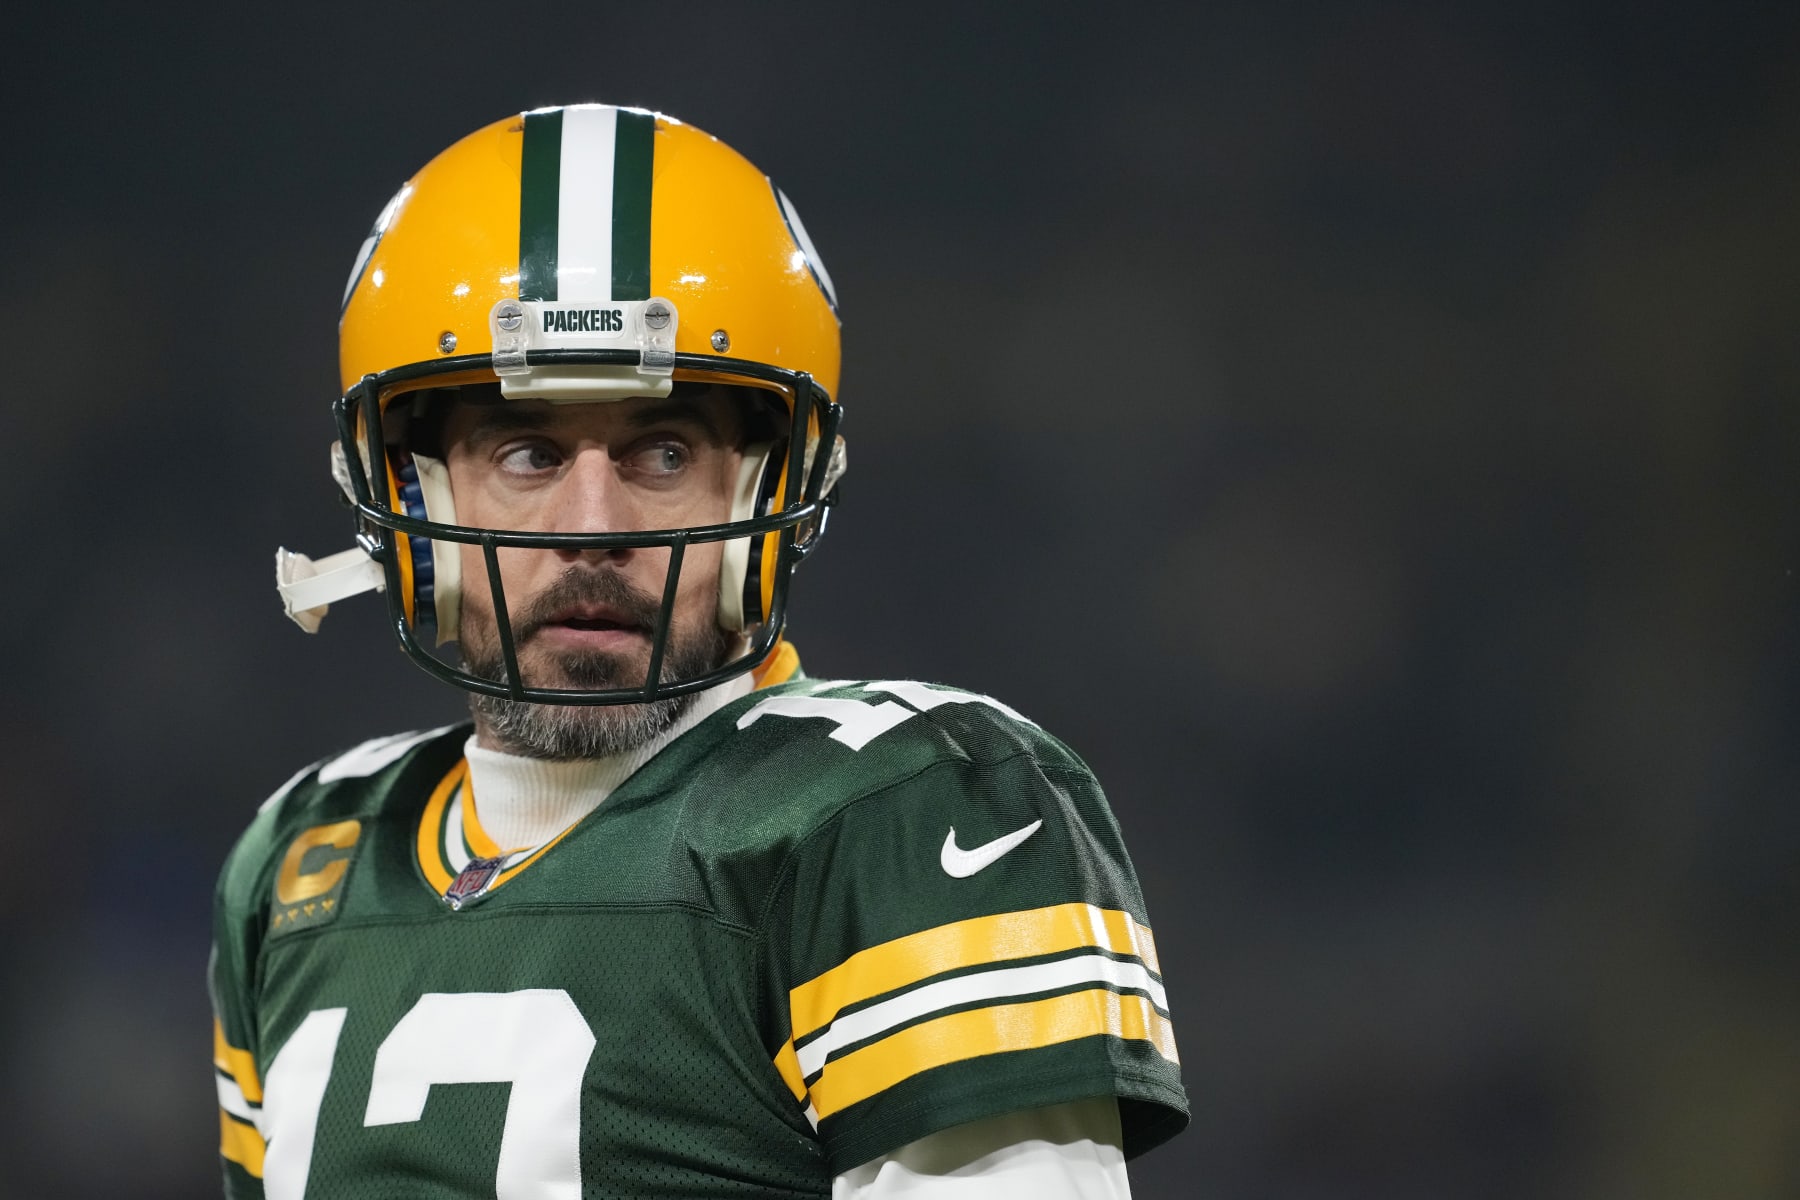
(524, 802)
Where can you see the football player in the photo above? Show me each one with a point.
(668, 917)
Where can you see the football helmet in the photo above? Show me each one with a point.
(579, 254)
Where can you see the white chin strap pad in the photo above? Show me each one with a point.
(734, 567)
(446, 557)
(309, 588)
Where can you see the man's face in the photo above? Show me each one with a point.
(586, 618)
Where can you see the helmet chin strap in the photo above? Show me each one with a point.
(310, 587)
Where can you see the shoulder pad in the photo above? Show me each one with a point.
(808, 748)
(355, 783)
(888, 711)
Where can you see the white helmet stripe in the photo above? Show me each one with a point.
(584, 204)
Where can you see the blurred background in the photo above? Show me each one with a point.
(1367, 433)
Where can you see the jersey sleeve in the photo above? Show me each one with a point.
(236, 934)
(969, 940)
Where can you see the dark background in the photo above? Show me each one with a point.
(1366, 432)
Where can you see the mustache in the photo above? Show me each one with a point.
(579, 586)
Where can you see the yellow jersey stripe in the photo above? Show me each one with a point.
(1146, 948)
(239, 1064)
(787, 1065)
(431, 855)
(781, 665)
(994, 1030)
(431, 830)
(241, 1143)
(507, 874)
(477, 837)
(975, 942)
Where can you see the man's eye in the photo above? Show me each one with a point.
(663, 458)
(530, 459)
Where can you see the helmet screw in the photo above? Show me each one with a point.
(721, 341)
(657, 316)
(508, 315)
(446, 342)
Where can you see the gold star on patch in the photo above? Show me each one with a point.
(276, 923)
(309, 906)
(293, 914)
(326, 904)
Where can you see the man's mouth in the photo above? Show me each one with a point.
(591, 620)
(588, 612)
(592, 623)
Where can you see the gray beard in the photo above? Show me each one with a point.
(562, 732)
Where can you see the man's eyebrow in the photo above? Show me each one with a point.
(503, 417)
(678, 408)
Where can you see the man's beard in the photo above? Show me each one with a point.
(571, 731)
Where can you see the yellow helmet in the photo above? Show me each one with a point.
(579, 253)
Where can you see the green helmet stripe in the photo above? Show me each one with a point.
(540, 175)
(633, 149)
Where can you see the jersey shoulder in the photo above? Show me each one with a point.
(362, 784)
(808, 749)
(899, 787)
(849, 769)
(956, 931)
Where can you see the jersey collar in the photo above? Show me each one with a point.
(455, 851)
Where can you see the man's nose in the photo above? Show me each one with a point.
(591, 498)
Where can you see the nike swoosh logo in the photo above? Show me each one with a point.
(960, 864)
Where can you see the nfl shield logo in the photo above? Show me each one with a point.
(472, 881)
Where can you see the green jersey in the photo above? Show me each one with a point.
(830, 919)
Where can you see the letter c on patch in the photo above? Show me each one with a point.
(293, 885)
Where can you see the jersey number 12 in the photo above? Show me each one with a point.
(537, 1040)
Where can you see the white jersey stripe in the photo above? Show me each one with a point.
(457, 855)
(986, 985)
(231, 1099)
(373, 755)
(454, 852)
(584, 203)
